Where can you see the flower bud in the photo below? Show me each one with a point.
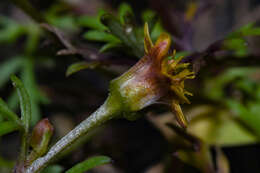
(41, 136)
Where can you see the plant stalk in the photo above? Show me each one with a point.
(104, 113)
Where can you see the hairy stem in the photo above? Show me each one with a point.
(24, 147)
(104, 113)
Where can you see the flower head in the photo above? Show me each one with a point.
(157, 77)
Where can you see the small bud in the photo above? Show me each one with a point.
(41, 136)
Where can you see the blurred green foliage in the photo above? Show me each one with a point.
(89, 164)
(121, 31)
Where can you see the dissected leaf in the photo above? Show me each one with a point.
(25, 103)
(239, 45)
(35, 94)
(249, 114)
(247, 30)
(66, 21)
(8, 127)
(100, 36)
(108, 46)
(10, 30)
(92, 22)
(127, 34)
(33, 38)
(9, 67)
(215, 86)
(80, 66)
(6, 112)
(89, 164)
(53, 169)
(124, 10)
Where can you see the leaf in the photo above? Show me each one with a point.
(127, 34)
(8, 68)
(36, 97)
(247, 30)
(124, 10)
(10, 30)
(12, 101)
(239, 45)
(151, 18)
(73, 68)
(108, 46)
(215, 87)
(8, 127)
(89, 164)
(67, 22)
(93, 22)
(102, 36)
(157, 29)
(33, 37)
(148, 15)
(53, 169)
(6, 112)
(250, 114)
(25, 103)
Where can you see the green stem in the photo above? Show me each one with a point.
(24, 146)
(104, 113)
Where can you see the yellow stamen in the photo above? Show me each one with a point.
(181, 119)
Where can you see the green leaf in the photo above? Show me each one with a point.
(6, 112)
(53, 169)
(127, 34)
(36, 97)
(65, 21)
(13, 101)
(100, 36)
(148, 15)
(247, 30)
(73, 68)
(8, 127)
(124, 10)
(89, 164)
(33, 32)
(25, 103)
(10, 30)
(8, 68)
(249, 114)
(92, 22)
(215, 87)
(181, 54)
(151, 18)
(239, 45)
(108, 46)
